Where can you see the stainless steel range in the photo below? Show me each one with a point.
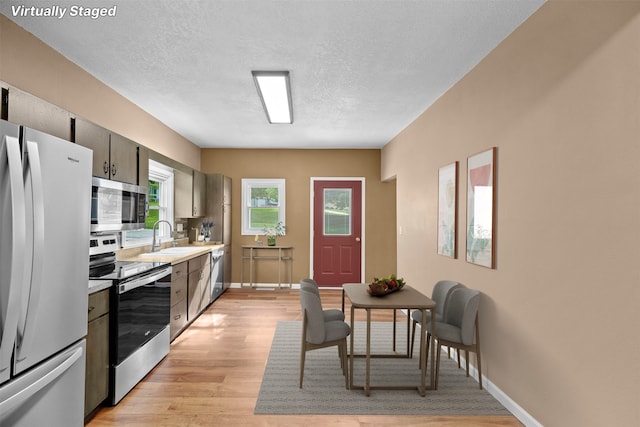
(140, 307)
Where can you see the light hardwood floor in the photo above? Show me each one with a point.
(213, 373)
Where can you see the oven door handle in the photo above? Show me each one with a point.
(145, 280)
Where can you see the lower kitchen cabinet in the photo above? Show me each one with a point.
(199, 294)
(97, 362)
(190, 292)
(179, 278)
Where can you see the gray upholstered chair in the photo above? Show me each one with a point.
(460, 327)
(319, 333)
(329, 314)
(440, 295)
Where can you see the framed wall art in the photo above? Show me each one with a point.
(447, 209)
(481, 170)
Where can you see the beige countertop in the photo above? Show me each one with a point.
(136, 254)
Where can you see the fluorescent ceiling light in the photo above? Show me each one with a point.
(275, 94)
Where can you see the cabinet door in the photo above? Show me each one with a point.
(143, 166)
(178, 289)
(227, 191)
(124, 159)
(96, 138)
(226, 224)
(97, 364)
(183, 193)
(193, 295)
(199, 183)
(178, 318)
(31, 111)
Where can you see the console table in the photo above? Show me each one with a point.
(253, 254)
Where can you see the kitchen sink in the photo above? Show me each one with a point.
(177, 251)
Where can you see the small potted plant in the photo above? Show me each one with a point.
(273, 232)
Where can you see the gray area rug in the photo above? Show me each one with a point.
(324, 392)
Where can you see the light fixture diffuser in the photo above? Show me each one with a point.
(275, 93)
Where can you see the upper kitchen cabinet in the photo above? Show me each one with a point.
(199, 185)
(183, 190)
(143, 166)
(25, 109)
(189, 195)
(114, 156)
(95, 137)
(219, 206)
(124, 159)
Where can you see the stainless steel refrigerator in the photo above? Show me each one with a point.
(45, 193)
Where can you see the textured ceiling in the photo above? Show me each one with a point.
(361, 71)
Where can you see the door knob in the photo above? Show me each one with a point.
(357, 239)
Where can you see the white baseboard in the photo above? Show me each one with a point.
(523, 416)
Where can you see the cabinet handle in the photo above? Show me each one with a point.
(106, 167)
(177, 317)
(113, 169)
(178, 291)
(91, 309)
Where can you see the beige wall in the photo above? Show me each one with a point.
(560, 99)
(297, 167)
(30, 65)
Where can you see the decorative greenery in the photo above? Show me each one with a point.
(278, 230)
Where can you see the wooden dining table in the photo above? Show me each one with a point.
(406, 298)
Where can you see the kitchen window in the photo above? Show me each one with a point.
(263, 204)
(160, 199)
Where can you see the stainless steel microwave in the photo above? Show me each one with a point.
(117, 206)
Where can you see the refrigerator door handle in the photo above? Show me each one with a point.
(30, 311)
(15, 400)
(18, 233)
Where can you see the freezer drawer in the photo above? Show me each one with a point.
(52, 394)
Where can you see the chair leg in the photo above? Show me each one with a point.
(413, 336)
(466, 355)
(426, 345)
(342, 350)
(302, 356)
(345, 369)
(478, 354)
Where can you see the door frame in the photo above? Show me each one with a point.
(363, 181)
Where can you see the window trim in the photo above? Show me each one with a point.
(247, 184)
(164, 173)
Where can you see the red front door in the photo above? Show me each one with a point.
(337, 232)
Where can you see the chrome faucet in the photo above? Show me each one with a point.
(154, 245)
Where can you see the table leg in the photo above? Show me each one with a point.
(290, 267)
(433, 384)
(351, 353)
(241, 269)
(423, 354)
(394, 330)
(368, 356)
(408, 327)
(251, 267)
(279, 264)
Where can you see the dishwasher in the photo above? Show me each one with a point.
(217, 273)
